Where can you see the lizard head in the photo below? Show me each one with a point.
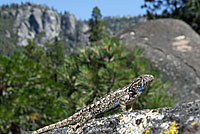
(140, 83)
(144, 81)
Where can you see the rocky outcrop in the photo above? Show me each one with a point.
(184, 119)
(68, 24)
(73, 29)
(32, 21)
(42, 24)
(172, 47)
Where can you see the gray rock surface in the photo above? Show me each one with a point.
(184, 119)
(33, 20)
(174, 48)
(42, 24)
(69, 23)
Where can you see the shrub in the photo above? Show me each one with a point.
(31, 97)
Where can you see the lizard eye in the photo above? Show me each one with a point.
(140, 89)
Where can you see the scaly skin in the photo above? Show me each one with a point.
(123, 97)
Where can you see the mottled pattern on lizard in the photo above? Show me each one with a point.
(123, 97)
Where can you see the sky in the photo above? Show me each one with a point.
(82, 9)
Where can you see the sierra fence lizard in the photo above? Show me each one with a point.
(123, 97)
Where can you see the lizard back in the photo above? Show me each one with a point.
(124, 97)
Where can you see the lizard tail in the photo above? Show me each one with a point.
(71, 120)
(52, 126)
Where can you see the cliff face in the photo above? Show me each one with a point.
(32, 21)
(19, 23)
(42, 24)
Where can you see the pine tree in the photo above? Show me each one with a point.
(107, 66)
(186, 10)
(97, 26)
(33, 51)
(54, 52)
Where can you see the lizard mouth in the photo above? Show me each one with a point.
(150, 78)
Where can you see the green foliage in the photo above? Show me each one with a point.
(34, 52)
(107, 66)
(97, 26)
(55, 53)
(31, 97)
(186, 10)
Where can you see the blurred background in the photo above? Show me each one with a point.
(58, 56)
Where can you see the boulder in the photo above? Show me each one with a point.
(174, 48)
(184, 119)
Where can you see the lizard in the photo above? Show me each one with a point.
(123, 97)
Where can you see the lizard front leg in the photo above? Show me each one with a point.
(126, 107)
(126, 103)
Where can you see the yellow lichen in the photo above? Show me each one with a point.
(146, 131)
(194, 123)
(121, 116)
(173, 129)
(72, 126)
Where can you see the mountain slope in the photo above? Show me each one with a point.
(28, 21)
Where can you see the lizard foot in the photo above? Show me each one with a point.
(74, 127)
